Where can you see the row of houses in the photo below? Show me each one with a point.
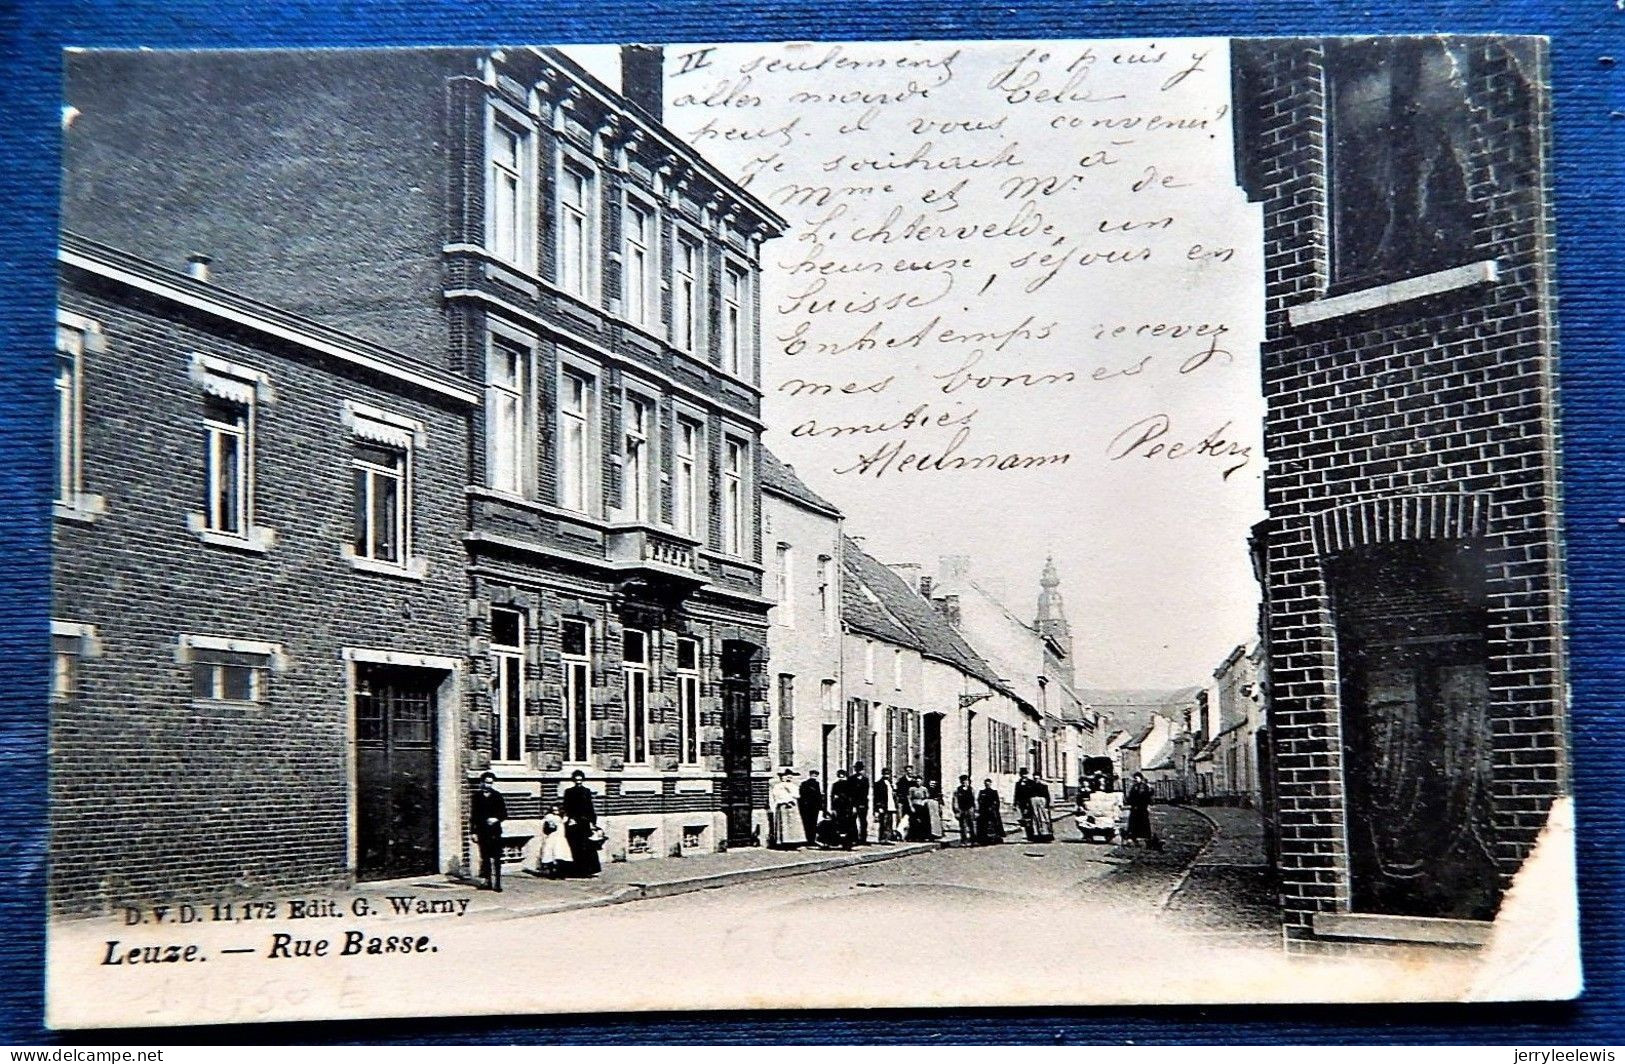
(430, 444)
(918, 670)
(1203, 743)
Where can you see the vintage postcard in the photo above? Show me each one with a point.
(559, 529)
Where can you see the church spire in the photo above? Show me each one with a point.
(1051, 620)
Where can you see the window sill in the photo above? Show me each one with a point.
(1431, 284)
(82, 509)
(414, 569)
(1420, 930)
(258, 539)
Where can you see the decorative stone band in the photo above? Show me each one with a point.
(1398, 519)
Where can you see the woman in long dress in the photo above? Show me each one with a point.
(580, 818)
(989, 817)
(1139, 809)
(919, 819)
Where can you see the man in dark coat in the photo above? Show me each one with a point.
(858, 787)
(989, 817)
(811, 804)
(965, 811)
(885, 808)
(840, 805)
(486, 812)
(1023, 799)
(580, 818)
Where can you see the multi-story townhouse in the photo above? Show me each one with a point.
(503, 216)
(258, 627)
(1411, 559)
(801, 534)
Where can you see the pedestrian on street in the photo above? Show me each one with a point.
(885, 808)
(581, 827)
(859, 787)
(840, 803)
(989, 817)
(1139, 810)
(919, 828)
(555, 850)
(786, 824)
(811, 806)
(1024, 804)
(1042, 815)
(965, 811)
(486, 813)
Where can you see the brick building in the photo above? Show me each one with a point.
(258, 620)
(505, 220)
(1411, 559)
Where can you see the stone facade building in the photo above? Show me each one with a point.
(504, 221)
(1411, 560)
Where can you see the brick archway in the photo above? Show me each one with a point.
(1399, 519)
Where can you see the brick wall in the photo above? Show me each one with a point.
(155, 794)
(1388, 419)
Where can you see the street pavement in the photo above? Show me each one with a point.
(1061, 923)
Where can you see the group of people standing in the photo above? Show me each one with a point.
(909, 808)
(571, 837)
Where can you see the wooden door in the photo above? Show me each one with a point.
(397, 791)
(737, 801)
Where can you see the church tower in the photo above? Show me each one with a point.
(1051, 620)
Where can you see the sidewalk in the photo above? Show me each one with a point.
(527, 894)
(1229, 888)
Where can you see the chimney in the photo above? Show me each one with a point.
(643, 75)
(948, 606)
(197, 267)
(925, 586)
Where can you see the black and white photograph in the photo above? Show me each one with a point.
(551, 529)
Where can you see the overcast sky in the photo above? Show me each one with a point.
(1152, 552)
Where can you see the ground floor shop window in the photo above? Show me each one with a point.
(1417, 767)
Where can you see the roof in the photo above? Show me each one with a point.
(781, 479)
(1208, 750)
(875, 601)
(1162, 763)
(1140, 738)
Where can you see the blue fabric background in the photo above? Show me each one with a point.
(1590, 121)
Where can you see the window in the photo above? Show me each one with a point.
(687, 514)
(686, 311)
(688, 701)
(735, 322)
(787, 720)
(575, 441)
(869, 661)
(637, 463)
(575, 646)
(635, 680)
(72, 336)
(506, 409)
(228, 676)
(509, 214)
(226, 459)
(735, 513)
(381, 475)
(380, 494)
(640, 289)
(826, 592)
(1399, 158)
(897, 669)
(71, 643)
(787, 591)
(576, 191)
(507, 685)
(231, 399)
